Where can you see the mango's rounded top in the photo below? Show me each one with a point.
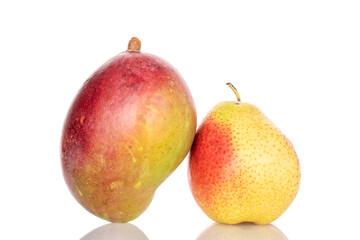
(134, 44)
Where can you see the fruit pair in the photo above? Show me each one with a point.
(134, 121)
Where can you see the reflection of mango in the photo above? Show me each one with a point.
(130, 126)
(116, 231)
(242, 168)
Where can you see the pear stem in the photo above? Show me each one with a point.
(134, 44)
(235, 91)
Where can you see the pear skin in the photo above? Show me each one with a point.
(242, 167)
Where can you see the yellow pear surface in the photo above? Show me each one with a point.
(242, 168)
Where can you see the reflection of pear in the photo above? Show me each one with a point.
(248, 231)
(118, 231)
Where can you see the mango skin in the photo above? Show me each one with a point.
(131, 124)
(242, 168)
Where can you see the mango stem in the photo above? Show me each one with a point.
(134, 44)
(235, 91)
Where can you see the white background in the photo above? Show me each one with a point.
(298, 61)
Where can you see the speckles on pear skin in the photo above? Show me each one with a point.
(242, 168)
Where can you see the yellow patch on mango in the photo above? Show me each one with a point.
(138, 184)
(131, 153)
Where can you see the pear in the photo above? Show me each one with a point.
(242, 168)
(130, 126)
